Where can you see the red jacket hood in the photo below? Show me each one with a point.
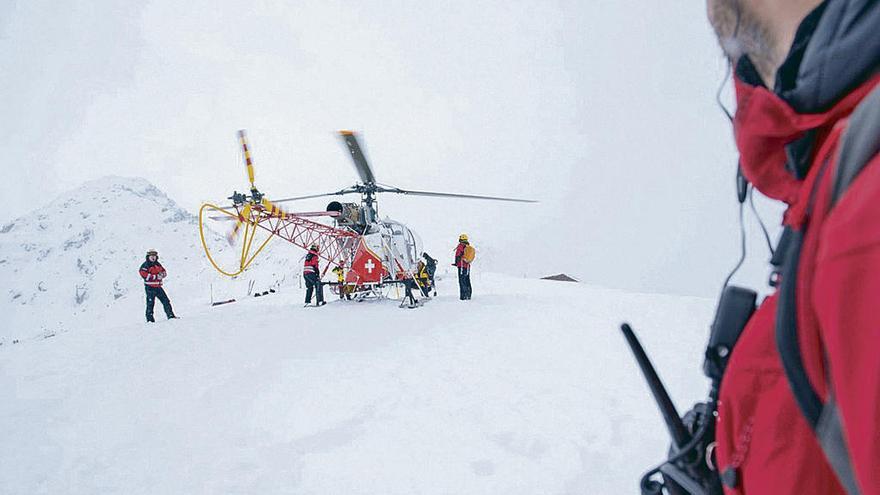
(765, 123)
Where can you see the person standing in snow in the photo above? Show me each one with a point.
(464, 268)
(799, 404)
(312, 275)
(153, 273)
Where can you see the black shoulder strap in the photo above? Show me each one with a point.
(859, 144)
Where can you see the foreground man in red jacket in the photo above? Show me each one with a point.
(799, 409)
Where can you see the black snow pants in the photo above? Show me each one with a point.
(313, 283)
(464, 283)
(408, 297)
(152, 294)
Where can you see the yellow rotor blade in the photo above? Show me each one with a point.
(243, 217)
(242, 137)
(274, 210)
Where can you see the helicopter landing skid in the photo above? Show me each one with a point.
(370, 293)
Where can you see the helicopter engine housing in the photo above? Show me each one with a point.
(350, 214)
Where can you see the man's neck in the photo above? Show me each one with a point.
(781, 19)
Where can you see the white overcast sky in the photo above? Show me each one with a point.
(603, 110)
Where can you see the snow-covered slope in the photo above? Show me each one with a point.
(76, 258)
(528, 388)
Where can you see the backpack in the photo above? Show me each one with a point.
(469, 254)
(858, 145)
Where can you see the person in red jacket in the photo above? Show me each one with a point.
(312, 274)
(464, 269)
(153, 273)
(799, 404)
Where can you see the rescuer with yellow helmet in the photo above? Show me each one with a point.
(464, 256)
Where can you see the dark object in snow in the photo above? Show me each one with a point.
(218, 303)
(264, 293)
(559, 278)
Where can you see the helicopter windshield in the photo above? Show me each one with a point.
(405, 244)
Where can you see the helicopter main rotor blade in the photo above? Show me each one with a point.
(246, 153)
(310, 196)
(357, 155)
(452, 195)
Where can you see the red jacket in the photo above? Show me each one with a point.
(311, 263)
(762, 435)
(459, 256)
(152, 273)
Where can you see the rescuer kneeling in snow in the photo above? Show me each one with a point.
(340, 281)
(313, 277)
(153, 273)
(431, 268)
(422, 278)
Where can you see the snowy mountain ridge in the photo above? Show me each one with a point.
(77, 258)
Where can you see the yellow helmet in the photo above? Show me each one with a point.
(463, 237)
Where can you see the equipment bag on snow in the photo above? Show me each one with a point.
(859, 144)
(469, 253)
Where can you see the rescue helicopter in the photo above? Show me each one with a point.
(374, 253)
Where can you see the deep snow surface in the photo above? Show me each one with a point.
(528, 388)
